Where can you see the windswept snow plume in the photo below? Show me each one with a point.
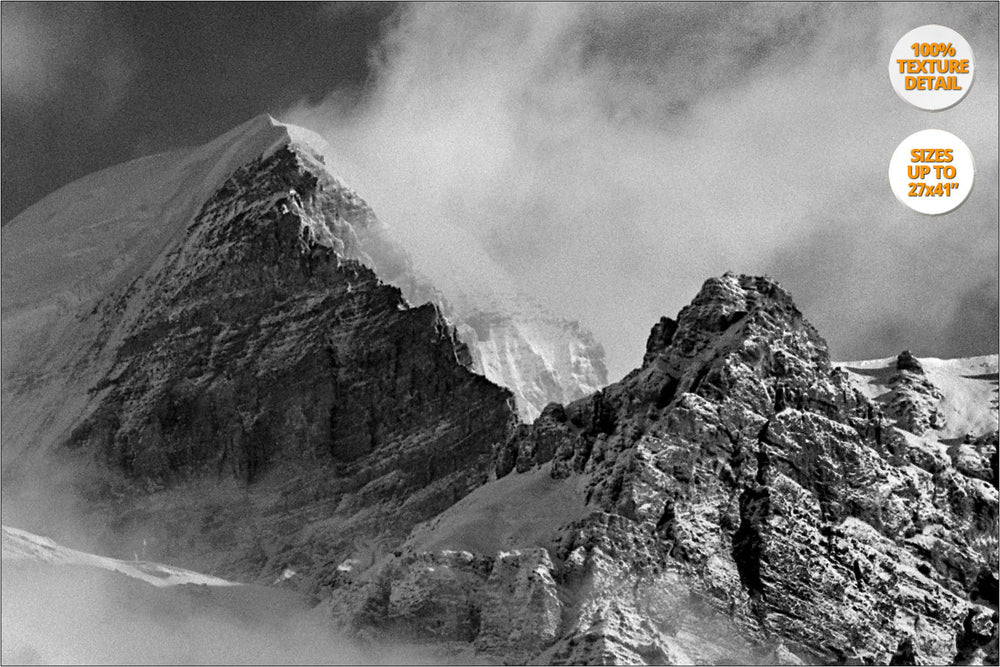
(608, 157)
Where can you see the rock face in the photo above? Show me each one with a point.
(741, 501)
(266, 402)
(224, 339)
(913, 399)
(261, 336)
(513, 340)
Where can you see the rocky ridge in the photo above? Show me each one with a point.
(737, 499)
(913, 398)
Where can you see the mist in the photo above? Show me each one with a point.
(78, 615)
(610, 158)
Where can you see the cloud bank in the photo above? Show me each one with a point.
(611, 157)
(58, 614)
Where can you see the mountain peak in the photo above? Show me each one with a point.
(260, 137)
(729, 296)
(264, 134)
(88, 226)
(728, 311)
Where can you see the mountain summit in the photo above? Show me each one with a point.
(212, 321)
(737, 499)
(108, 229)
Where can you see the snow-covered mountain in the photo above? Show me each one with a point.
(515, 342)
(90, 239)
(180, 328)
(97, 235)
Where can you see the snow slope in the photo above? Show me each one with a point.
(22, 546)
(968, 386)
(514, 512)
(84, 236)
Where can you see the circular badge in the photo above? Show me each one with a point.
(931, 67)
(932, 171)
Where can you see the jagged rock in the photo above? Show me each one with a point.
(976, 459)
(521, 606)
(906, 654)
(745, 503)
(907, 362)
(913, 398)
(659, 338)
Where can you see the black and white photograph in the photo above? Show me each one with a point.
(581, 333)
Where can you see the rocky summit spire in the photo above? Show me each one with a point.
(736, 499)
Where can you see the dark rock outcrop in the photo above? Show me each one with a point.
(913, 398)
(907, 362)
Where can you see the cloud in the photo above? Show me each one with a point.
(611, 157)
(976, 317)
(30, 57)
(115, 73)
(60, 614)
(50, 54)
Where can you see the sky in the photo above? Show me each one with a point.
(607, 157)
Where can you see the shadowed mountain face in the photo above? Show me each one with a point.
(245, 396)
(257, 344)
(257, 380)
(261, 352)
